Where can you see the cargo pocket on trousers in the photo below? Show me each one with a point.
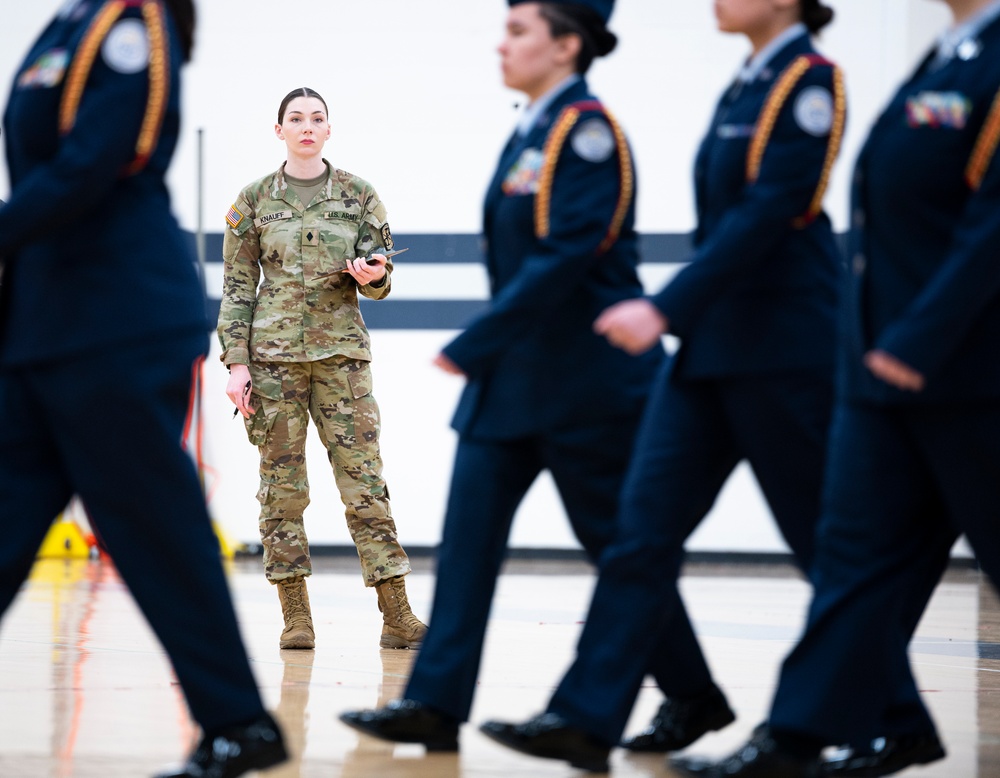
(259, 424)
(366, 415)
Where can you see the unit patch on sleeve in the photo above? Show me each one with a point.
(593, 140)
(386, 236)
(814, 110)
(126, 49)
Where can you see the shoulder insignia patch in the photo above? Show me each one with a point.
(126, 48)
(814, 110)
(386, 236)
(235, 217)
(593, 140)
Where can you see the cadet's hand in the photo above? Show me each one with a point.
(367, 271)
(238, 389)
(886, 367)
(634, 326)
(441, 361)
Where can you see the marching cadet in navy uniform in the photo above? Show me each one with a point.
(755, 311)
(102, 317)
(544, 390)
(915, 439)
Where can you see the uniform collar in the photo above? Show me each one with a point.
(535, 110)
(960, 40)
(281, 190)
(752, 70)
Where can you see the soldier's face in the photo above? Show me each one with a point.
(304, 128)
(530, 57)
(749, 16)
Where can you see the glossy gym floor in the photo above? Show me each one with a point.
(86, 690)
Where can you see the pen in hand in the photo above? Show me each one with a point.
(246, 392)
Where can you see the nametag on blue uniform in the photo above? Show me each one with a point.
(938, 109)
(272, 217)
(522, 179)
(731, 131)
(47, 71)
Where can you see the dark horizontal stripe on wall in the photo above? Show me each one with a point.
(407, 314)
(444, 249)
(466, 248)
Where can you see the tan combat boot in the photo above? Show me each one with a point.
(298, 631)
(400, 628)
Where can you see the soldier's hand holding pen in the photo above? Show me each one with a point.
(238, 389)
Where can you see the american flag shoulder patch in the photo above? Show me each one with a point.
(234, 217)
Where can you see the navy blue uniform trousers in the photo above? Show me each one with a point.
(107, 426)
(489, 480)
(693, 434)
(903, 483)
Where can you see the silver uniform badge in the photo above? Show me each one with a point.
(593, 140)
(814, 110)
(126, 49)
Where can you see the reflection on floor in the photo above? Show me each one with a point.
(87, 692)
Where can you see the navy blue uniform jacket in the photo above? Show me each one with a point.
(925, 238)
(93, 256)
(760, 293)
(533, 361)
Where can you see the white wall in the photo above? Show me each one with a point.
(418, 109)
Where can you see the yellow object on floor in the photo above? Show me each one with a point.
(65, 540)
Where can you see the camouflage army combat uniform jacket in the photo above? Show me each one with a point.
(306, 308)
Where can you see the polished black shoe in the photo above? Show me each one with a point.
(759, 758)
(550, 737)
(234, 751)
(885, 756)
(679, 723)
(407, 721)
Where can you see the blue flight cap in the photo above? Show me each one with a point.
(603, 7)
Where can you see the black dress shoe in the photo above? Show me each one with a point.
(759, 758)
(234, 751)
(407, 721)
(550, 737)
(679, 723)
(885, 756)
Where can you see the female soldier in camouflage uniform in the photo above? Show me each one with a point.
(299, 347)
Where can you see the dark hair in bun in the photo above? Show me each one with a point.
(815, 15)
(570, 19)
(184, 17)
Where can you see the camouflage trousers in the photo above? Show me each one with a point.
(336, 392)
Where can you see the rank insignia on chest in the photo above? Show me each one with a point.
(522, 178)
(310, 236)
(938, 109)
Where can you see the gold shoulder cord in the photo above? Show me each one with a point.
(84, 61)
(553, 147)
(159, 68)
(986, 146)
(775, 101)
(159, 85)
(550, 155)
(832, 149)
